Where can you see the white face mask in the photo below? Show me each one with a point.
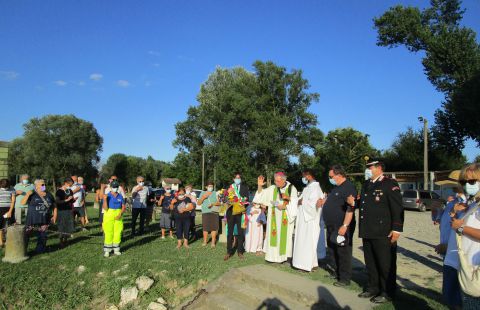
(472, 190)
(141, 183)
(115, 189)
(368, 174)
(210, 188)
(181, 197)
(25, 182)
(188, 191)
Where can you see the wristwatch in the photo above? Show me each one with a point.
(460, 230)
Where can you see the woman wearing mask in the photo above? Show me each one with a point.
(467, 228)
(182, 206)
(209, 202)
(189, 193)
(114, 207)
(64, 201)
(41, 206)
(7, 203)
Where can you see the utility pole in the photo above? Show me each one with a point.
(425, 152)
(203, 170)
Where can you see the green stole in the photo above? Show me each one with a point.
(284, 225)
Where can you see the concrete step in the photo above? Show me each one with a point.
(294, 287)
(265, 287)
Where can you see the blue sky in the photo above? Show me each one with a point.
(134, 67)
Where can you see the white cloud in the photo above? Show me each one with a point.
(81, 83)
(9, 75)
(123, 83)
(60, 83)
(153, 53)
(96, 76)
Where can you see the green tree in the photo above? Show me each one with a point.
(451, 63)
(56, 146)
(406, 154)
(253, 122)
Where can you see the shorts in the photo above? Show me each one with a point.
(210, 222)
(165, 221)
(79, 211)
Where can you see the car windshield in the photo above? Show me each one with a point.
(410, 194)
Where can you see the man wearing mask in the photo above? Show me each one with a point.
(165, 217)
(20, 190)
(380, 225)
(307, 228)
(240, 192)
(139, 204)
(79, 204)
(339, 217)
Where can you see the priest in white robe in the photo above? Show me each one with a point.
(281, 200)
(307, 228)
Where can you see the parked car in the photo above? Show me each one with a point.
(422, 200)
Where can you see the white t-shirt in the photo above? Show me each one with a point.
(79, 195)
(471, 246)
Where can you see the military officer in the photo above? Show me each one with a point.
(380, 225)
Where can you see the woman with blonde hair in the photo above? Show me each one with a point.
(467, 228)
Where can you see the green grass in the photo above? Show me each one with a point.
(51, 280)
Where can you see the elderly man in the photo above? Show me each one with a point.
(20, 190)
(307, 228)
(281, 200)
(139, 204)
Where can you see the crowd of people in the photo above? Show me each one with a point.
(277, 222)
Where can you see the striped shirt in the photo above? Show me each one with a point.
(5, 197)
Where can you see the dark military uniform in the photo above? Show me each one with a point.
(381, 211)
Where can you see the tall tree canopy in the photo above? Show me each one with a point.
(56, 146)
(451, 63)
(253, 122)
(127, 168)
(406, 154)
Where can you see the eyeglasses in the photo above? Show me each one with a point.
(471, 182)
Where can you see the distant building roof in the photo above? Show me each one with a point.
(172, 181)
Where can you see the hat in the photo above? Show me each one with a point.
(375, 161)
(115, 184)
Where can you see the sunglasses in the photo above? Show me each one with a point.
(471, 182)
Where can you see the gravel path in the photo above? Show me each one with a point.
(418, 266)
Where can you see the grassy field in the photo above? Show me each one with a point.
(52, 280)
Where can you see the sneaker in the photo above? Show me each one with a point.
(106, 254)
(118, 253)
(84, 229)
(163, 237)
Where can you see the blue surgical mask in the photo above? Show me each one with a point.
(25, 182)
(368, 174)
(304, 180)
(332, 181)
(210, 189)
(238, 181)
(472, 190)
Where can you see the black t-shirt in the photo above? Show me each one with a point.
(336, 205)
(181, 204)
(63, 195)
(167, 200)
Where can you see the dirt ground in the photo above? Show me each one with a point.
(418, 266)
